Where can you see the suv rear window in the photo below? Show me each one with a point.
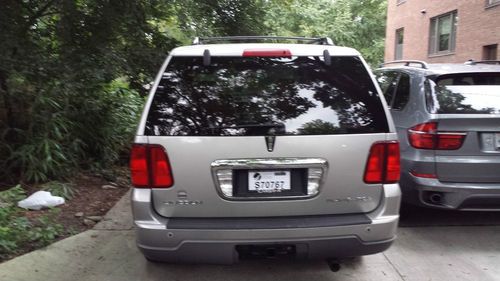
(242, 96)
(477, 93)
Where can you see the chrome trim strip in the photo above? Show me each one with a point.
(452, 133)
(222, 174)
(437, 133)
(257, 163)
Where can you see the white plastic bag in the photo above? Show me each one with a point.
(40, 199)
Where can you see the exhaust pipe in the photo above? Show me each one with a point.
(436, 198)
(333, 264)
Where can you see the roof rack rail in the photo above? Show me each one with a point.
(473, 62)
(204, 40)
(423, 64)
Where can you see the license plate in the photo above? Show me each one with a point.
(497, 140)
(269, 181)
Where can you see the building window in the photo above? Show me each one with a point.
(490, 52)
(398, 54)
(490, 3)
(443, 34)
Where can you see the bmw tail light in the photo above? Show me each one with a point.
(423, 135)
(150, 167)
(427, 136)
(450, 141)
(383, 164)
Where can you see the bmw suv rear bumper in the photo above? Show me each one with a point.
(431, 192)
(220, 240)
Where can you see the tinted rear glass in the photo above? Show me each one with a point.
(466, 94)
(238, 96)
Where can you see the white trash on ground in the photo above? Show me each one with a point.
(39, 200)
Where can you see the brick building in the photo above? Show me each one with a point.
(443, 30)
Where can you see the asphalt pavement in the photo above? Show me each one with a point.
(431, 245)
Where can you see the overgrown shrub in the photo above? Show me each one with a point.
(17, 231)
(70, 73)
(63, 130)
(70, 70)
(41, 145)
(107, 122)
(65, 190)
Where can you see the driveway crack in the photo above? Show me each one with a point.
(395, 268)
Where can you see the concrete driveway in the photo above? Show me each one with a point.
(432, 245)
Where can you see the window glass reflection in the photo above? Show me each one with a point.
(236, 96)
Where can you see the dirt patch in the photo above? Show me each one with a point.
(90, 200)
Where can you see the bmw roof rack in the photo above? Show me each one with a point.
(422, 64)
(205, 40)
(473, 62)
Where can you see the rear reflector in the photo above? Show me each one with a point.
(426, 136)
(383, 164)
(149, 166)
(423, 175)
(267, 53)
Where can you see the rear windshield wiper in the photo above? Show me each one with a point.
(279, 128)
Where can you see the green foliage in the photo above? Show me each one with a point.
(72, 72)
(12, 195)
(44, 147)
(359, 24)
(318, 126)
(71, 76)
(45, 230)
(17, 231)
(222, 17)
(61, 189)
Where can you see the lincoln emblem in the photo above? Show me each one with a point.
(270, 143)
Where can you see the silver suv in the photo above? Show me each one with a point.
(448, 120)
(264, 149)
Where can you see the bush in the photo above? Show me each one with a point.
(62, 189)
(65, 129)
(107, 123)
(17, 231)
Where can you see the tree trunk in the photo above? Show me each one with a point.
(7, 119)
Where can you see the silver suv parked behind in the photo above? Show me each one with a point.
(448, 121)
(264, 149)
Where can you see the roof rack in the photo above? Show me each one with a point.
(473, 62)
(205, 40)
(423, 64)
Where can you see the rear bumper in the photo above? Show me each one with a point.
(225, 252)
(162, 240)
(455, 196)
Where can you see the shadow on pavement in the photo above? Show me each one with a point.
(366, 268)
(420, 216)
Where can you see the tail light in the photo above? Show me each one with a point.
(149, 166)
(383, 164)
(426, 136)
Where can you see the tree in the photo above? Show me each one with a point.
(221, 17)
(70, 73)
(358, 24)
